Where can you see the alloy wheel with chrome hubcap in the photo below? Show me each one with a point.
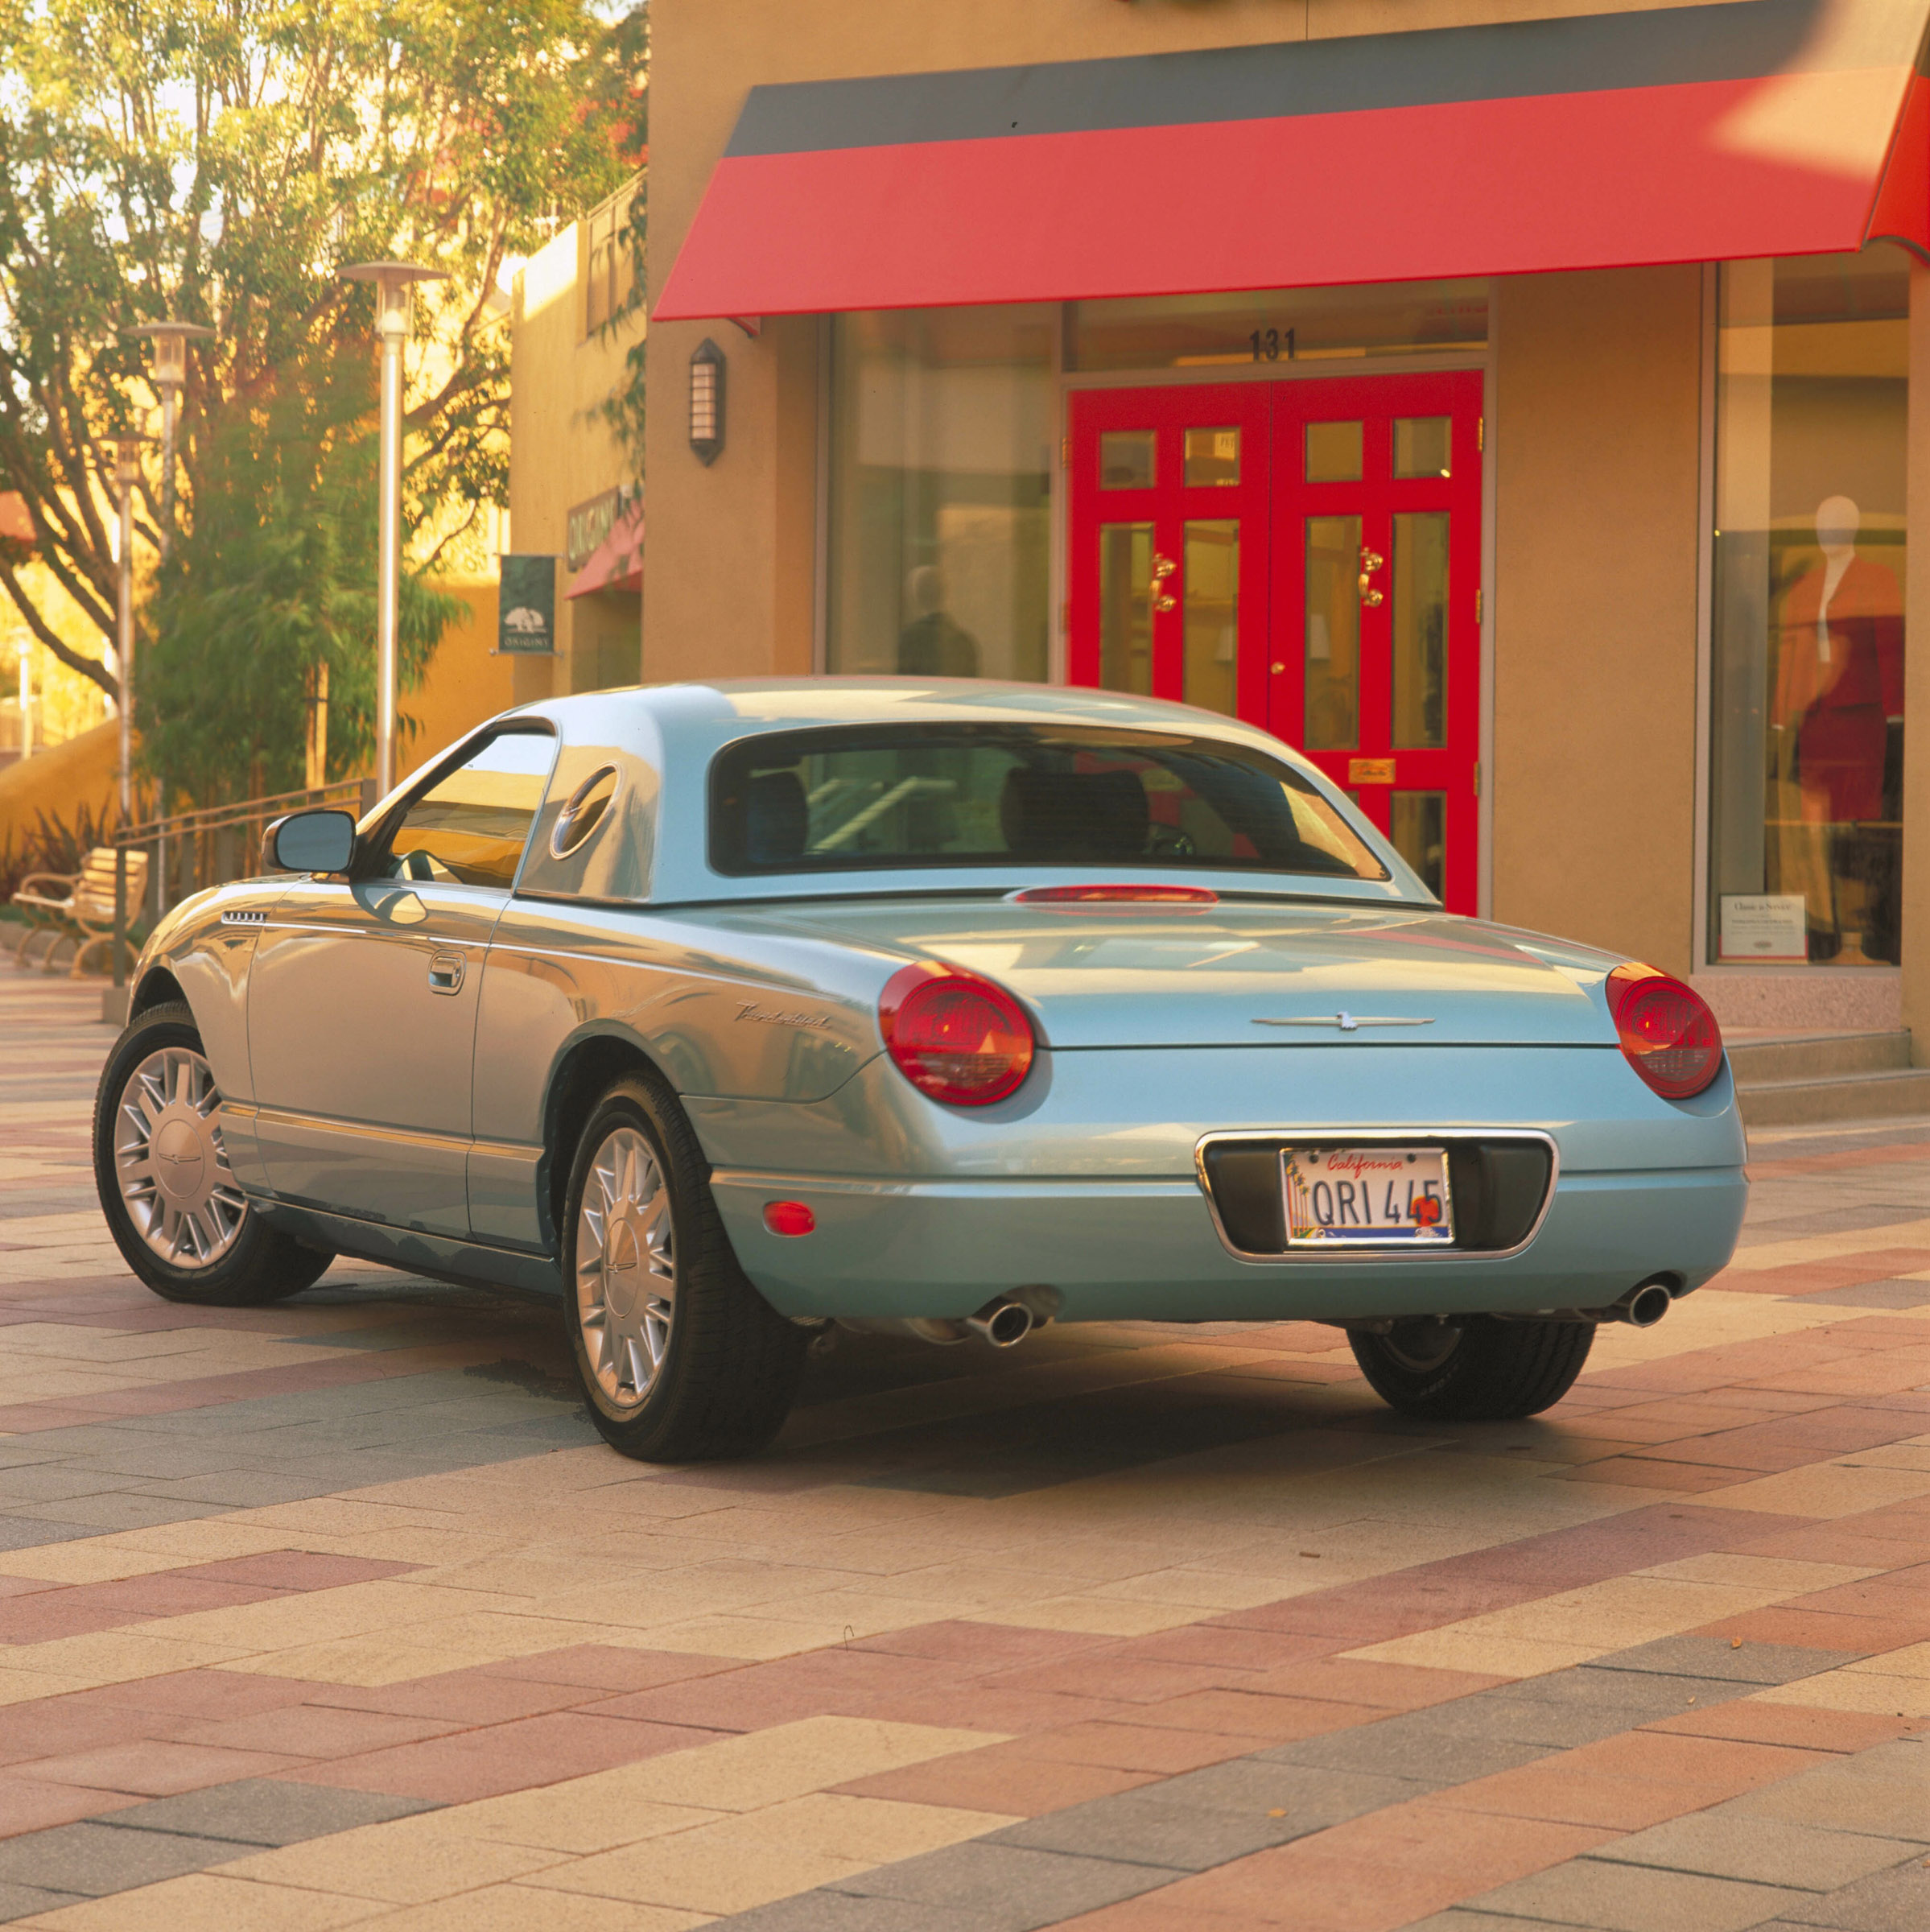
(178, 1213)
(626, 1268)
(680, 1358)
(179, 1190)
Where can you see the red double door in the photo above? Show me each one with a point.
(1305, 555)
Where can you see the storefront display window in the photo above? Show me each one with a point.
(1276, 326)
(1807, 699)
(941, 460)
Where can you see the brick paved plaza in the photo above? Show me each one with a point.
(337, 1612)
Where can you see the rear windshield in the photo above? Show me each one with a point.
(911, 795)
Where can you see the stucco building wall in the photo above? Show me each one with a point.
(1594, 410)
(561, 453)
(1597, 448)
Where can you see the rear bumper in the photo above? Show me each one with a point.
(1148, 1250)
(1085, 1181)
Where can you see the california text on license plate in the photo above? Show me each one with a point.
(1369, 1195)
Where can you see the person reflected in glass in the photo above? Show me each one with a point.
(934, 644)
(1837, 741)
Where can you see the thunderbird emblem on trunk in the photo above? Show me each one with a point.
(1348, 1022)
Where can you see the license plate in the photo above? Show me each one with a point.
(1367, 1196)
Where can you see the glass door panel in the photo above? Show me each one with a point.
(1419, 821)
(1306, 554)
(1167, 531)
(1420, 612)
(1127, 459)
(1212, 458)
(1332, 633)
(1211, 585)
(1335, 451)
(1125, 607)
(1423, 446)
(1375, 665)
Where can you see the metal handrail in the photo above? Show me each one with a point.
(218, 818)
(190, 827)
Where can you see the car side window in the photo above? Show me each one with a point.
(470, 826)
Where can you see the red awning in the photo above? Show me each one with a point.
(616, 563)
(1694, 134)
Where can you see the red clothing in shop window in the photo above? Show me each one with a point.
(1838, 702)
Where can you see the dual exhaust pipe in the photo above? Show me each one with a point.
(1004, 1322)
(1642, 1308)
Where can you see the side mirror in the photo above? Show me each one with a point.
(310, 841)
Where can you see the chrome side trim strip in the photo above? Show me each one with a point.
(1313, 1135)
(363, 1130)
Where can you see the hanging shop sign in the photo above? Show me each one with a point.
(526, 608)
(587, 526)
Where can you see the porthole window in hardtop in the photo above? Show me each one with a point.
(898, 796)
(596, 832)
(470, 826)
(583, 812)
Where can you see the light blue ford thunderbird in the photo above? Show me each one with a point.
(729, 1011)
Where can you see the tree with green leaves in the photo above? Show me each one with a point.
(219, 162)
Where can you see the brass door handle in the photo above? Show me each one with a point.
(1163, 568)
(1371, 560)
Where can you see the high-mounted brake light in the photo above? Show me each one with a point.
(1667, 1032)
(1116, 895)
(954, 1036)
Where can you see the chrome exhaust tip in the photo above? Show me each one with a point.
(1643, 1306)
(1003, 1323)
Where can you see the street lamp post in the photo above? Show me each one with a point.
(127, 472)
(169, 375)
(170, 372)
(393, 281)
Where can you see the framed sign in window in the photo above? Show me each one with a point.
(1766, 928)
(526, 608)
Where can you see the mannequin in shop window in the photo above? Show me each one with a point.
(1836, 751)
(934, 644)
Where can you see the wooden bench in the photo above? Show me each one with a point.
(78, 906)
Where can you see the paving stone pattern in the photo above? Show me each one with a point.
(337, 1612)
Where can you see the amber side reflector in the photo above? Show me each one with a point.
(788, 1217)
(1116, 895)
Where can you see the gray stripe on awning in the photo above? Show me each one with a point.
(1744, 39)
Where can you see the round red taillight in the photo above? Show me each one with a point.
(788, 1217)
(954, 1036)
(1666, 1030)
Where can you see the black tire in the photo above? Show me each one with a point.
(245, 1262)
(1481, 1370)
(729, 1364)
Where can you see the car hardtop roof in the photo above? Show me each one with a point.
(718, 710)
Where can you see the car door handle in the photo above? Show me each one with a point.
(445, 971)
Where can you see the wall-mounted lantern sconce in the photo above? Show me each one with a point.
(707, 401)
